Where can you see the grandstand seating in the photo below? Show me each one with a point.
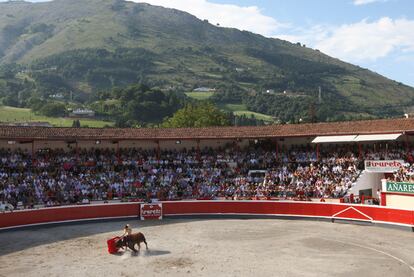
(55, 177)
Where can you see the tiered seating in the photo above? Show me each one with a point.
(57, 177)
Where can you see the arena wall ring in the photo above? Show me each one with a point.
(199, 208)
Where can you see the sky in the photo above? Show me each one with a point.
(374, 34)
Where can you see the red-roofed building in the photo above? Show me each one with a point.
(283, 135)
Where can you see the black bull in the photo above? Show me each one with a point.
(131, 240)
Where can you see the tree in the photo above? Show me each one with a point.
(54, 109)
(197, 115)
(312, 113)
(11, 100)
(76, 123)
(138, 105)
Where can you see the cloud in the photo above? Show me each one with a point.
(365, 2)
(361, 41)
(369, 40)
(249, 18)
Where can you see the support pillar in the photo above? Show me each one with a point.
(277, 151)
(77, 151)
(386, 150)
(33, 152)
(407, 145)
(118, 154)
(198, 151)
(383, 199)
(317, 151)
(158, 151)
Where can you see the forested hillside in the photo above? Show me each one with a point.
(84, 50)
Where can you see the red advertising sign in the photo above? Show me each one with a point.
(151, 211)
(388, 166)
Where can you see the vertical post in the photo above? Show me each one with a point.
(317, 151)
(236, 144)
(386, 150)
(407, 146)
(118, 154)
(198, 151)
(33, 152)
(158, 151)
(383, 199)
(277, 151)
(77, 151)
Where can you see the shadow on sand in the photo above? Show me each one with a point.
(19, 239)
(153, 252)
(144, 253)
(13, 240)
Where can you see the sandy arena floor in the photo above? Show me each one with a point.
(226, 247)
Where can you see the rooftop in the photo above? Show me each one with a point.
(382, 126)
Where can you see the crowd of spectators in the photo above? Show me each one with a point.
(58, 177)
(395, 151)
(404, 174)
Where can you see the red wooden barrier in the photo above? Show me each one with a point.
(376, 214)
(301, 209)
(67, 213)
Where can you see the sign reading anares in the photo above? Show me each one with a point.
(400, 187)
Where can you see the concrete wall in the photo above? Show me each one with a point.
(400, 201)
(368, 180)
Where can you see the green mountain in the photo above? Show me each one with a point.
(78, 48)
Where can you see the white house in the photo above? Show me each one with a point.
(80, 112)
(204, 89)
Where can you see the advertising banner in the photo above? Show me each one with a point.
(400, 187)
(388, 166)
(151, 211)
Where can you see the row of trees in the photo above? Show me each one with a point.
(138, 105)
(197, 115)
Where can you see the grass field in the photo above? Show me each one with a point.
(200, 95)
(260, 116)
(237, 109)
(11, 114)
(241, 109)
